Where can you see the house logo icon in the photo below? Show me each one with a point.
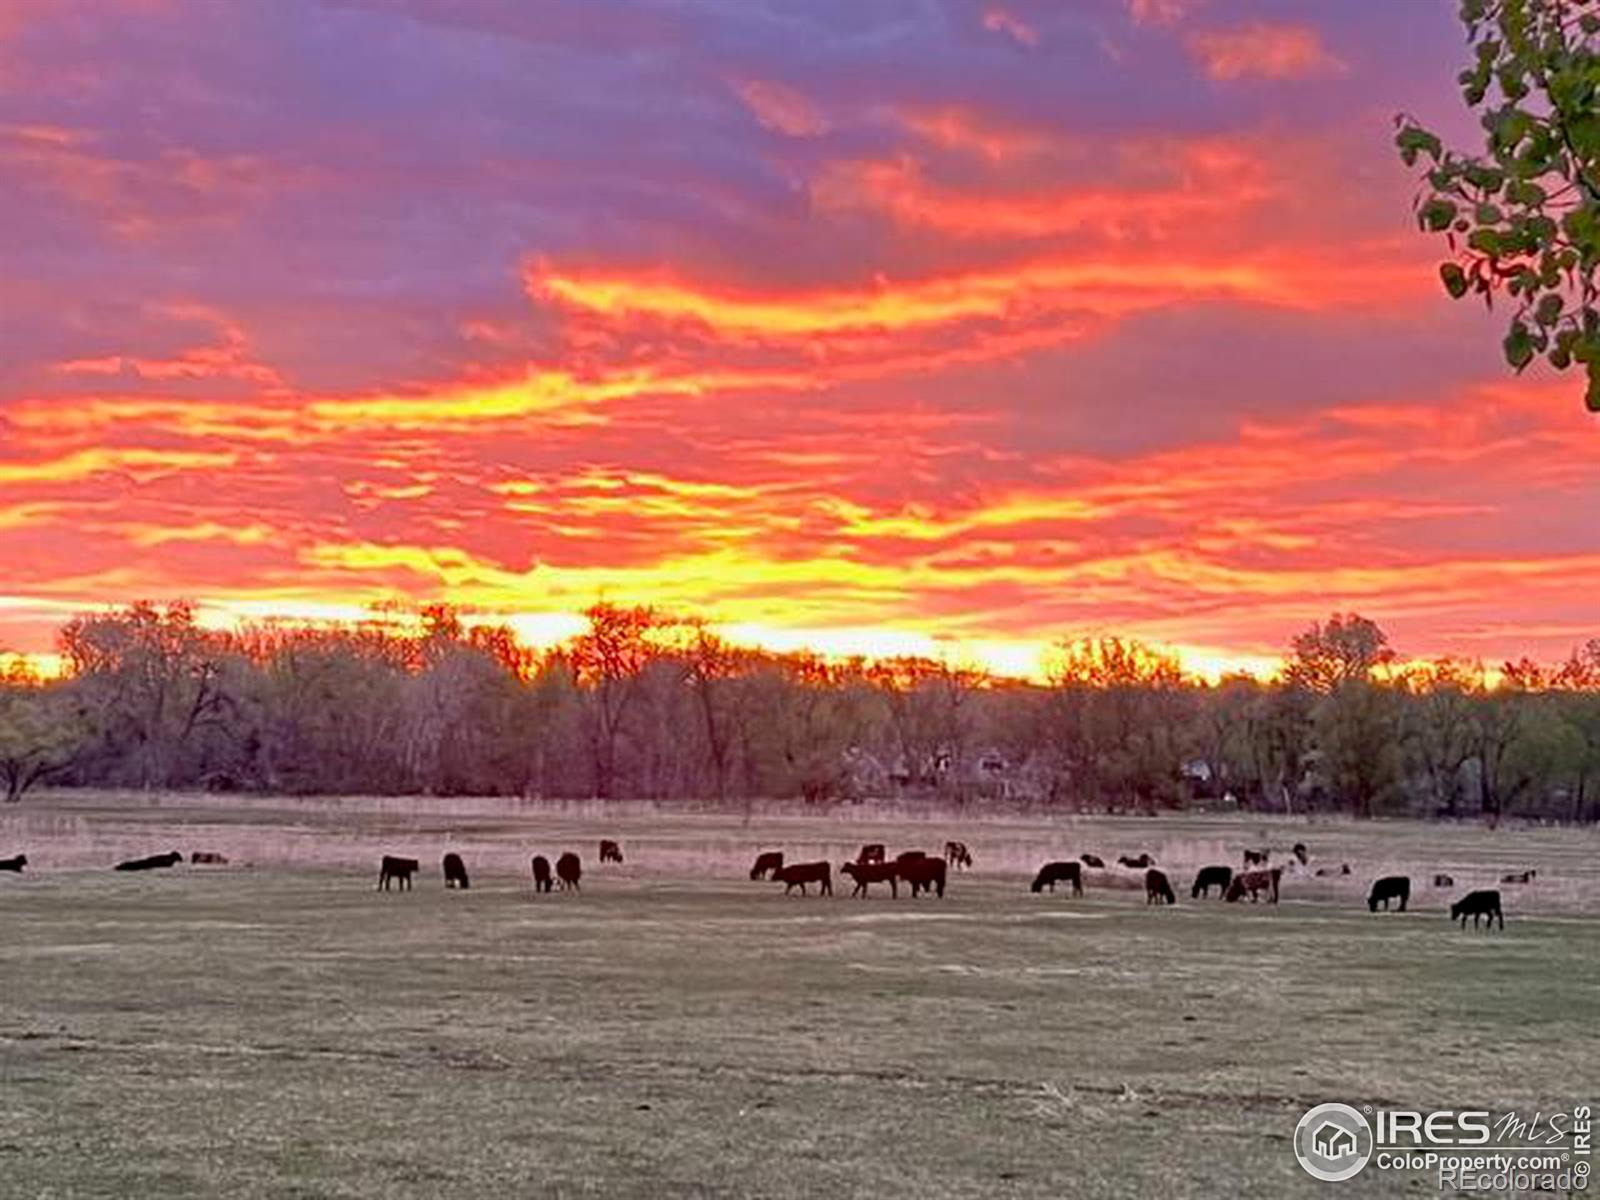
(1333, 1142)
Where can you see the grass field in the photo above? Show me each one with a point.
(284, 1030)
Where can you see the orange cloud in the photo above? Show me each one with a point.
(1160, 12)
(999, 20)
(781, 108)
(1263, 51)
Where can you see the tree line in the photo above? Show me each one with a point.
(648, 705)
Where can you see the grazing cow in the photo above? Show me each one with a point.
(1053, 873)
(569, 869)
(1157, 888)
(207, 858)
(1301, 853)
(864, 873)
(872, 852)
(455, 872)
(154, 862)
(957, 855)
(1390, 887)
(1137, 864)
(769, 862)
(922, 873)
(14, 864)
(1211, 877)
(1519, 877)
(541, 873)
(797, 875)
(1443, 880)
(1256, 858)
(1341, 869)
(1092, 860)
(398, 869)
(610, 852)
(1478, 904)
(1254, 882)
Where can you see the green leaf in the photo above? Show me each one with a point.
(1437, 214)
(1592, 395)
(1518, 346)
(1548, 311)
(1488, 214)
(1455, 279)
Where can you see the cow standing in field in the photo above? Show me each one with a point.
(1211, 877)
(1478, 904)
(768, 863)
(1256, 858)
(14, 864)
(872, 852)
(1254, 882)
(541, 874)
(797, 875)
(922, 873)
(1053, 873)
(1158, 888)
(1093, 860)
(569, 869)
(864, 873)
(153, 863)
(610, 852)
(398, 869)
(455, 872)
(1143, 862)
(1301, 854)
(1390, 887)
(957, 855)
(1442, 880)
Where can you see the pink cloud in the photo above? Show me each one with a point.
(1263, 51)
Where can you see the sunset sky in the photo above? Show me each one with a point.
(877, 325)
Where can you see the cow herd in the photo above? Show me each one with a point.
(924, 872)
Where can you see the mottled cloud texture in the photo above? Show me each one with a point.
(992, 323)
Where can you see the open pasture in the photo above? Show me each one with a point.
(282, 1029)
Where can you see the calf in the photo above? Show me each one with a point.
(1254, 882)
(872, 852)
(1478, 904)
(207, 858)
(1211, 877)
(1390, 887)
(1256, 858)
(1137, 864)
(398, 869)
(1519, 877)
(797, 875)
(455, 872)
(14, 864)
(864, 873)
(610, 852)
(1053, 873)
(541, 873)
(1157, 888)
(154, 862)
(1442, 880)
(922, 873)
(1092, 860)
(569, 869)
(957, 855)
(1341, 869)
(768, 862)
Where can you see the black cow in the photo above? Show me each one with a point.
(610, 852)
(1211, 877)
(922, 873)
(569, 869)
(1256, 858)
(872, 852)
(1157, 888)
(1137, 864)
(1053, 873)
(397, 869)
(1519, 877)
(1390, 887)
(14, 864)
(1254, 882)
(767, 862)
(455, 872)
(1092, 860)
(1442, 880)
(154, 862)
(1301, 853)
(864, 873)
(957, 854)
(1478, 904)
(541, 873)
(207, 858)
(797, 875)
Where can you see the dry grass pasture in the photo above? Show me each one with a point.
(281, 1029)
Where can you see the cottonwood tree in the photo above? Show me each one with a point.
(43, 727)
(1521, 217)
(608, 659)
